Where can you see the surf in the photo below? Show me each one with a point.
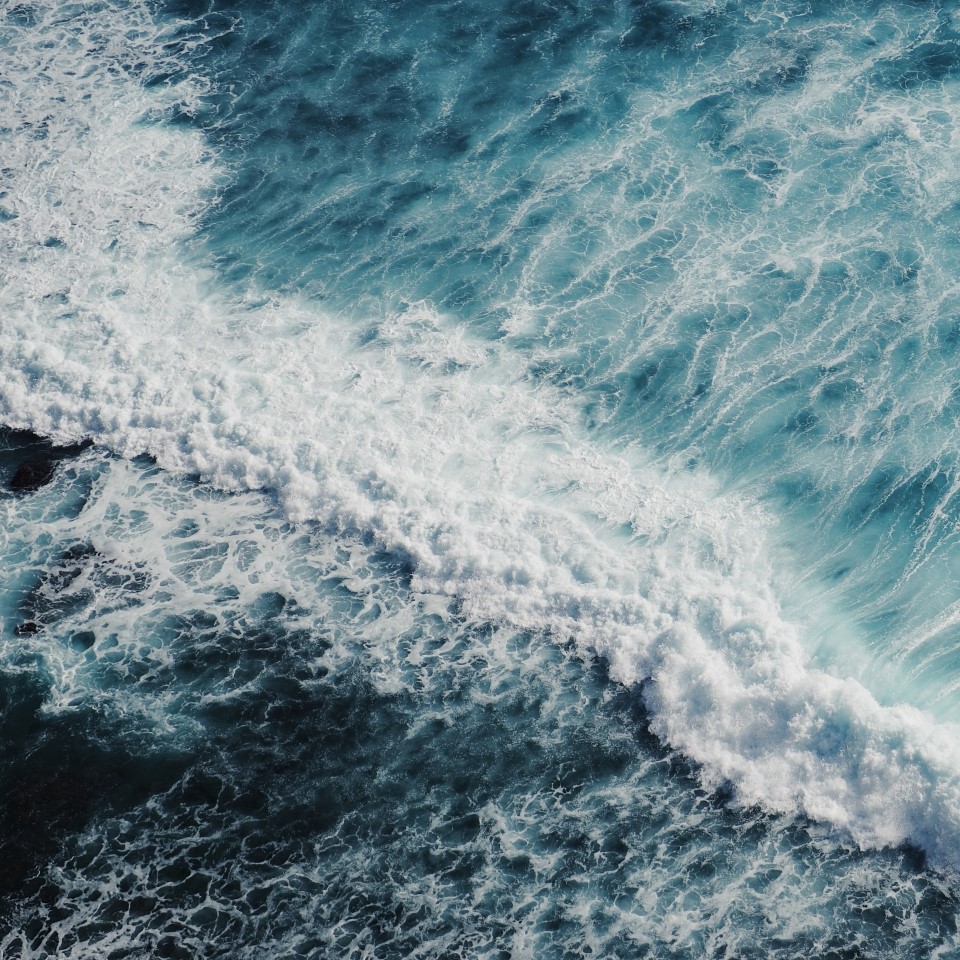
(412, 431)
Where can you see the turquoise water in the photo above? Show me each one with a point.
(521, 519)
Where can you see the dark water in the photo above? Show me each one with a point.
(196, 764)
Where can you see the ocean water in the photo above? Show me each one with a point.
(502, 479)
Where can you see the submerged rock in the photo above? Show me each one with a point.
(40, 458)
(33, 474)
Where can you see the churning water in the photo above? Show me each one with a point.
(522, 515)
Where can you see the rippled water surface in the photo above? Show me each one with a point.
(521, 511)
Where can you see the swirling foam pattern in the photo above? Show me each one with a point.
(522, 336)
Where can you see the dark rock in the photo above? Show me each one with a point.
(33, 474)
(11, 439)
(26, 628)
(32, 458)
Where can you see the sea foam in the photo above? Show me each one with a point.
(407, 429)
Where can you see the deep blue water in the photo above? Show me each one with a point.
(521, 514)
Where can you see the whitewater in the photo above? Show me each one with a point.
(645, 401)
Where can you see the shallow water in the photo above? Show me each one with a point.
(522, 512)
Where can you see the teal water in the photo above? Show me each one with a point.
(521, 515)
